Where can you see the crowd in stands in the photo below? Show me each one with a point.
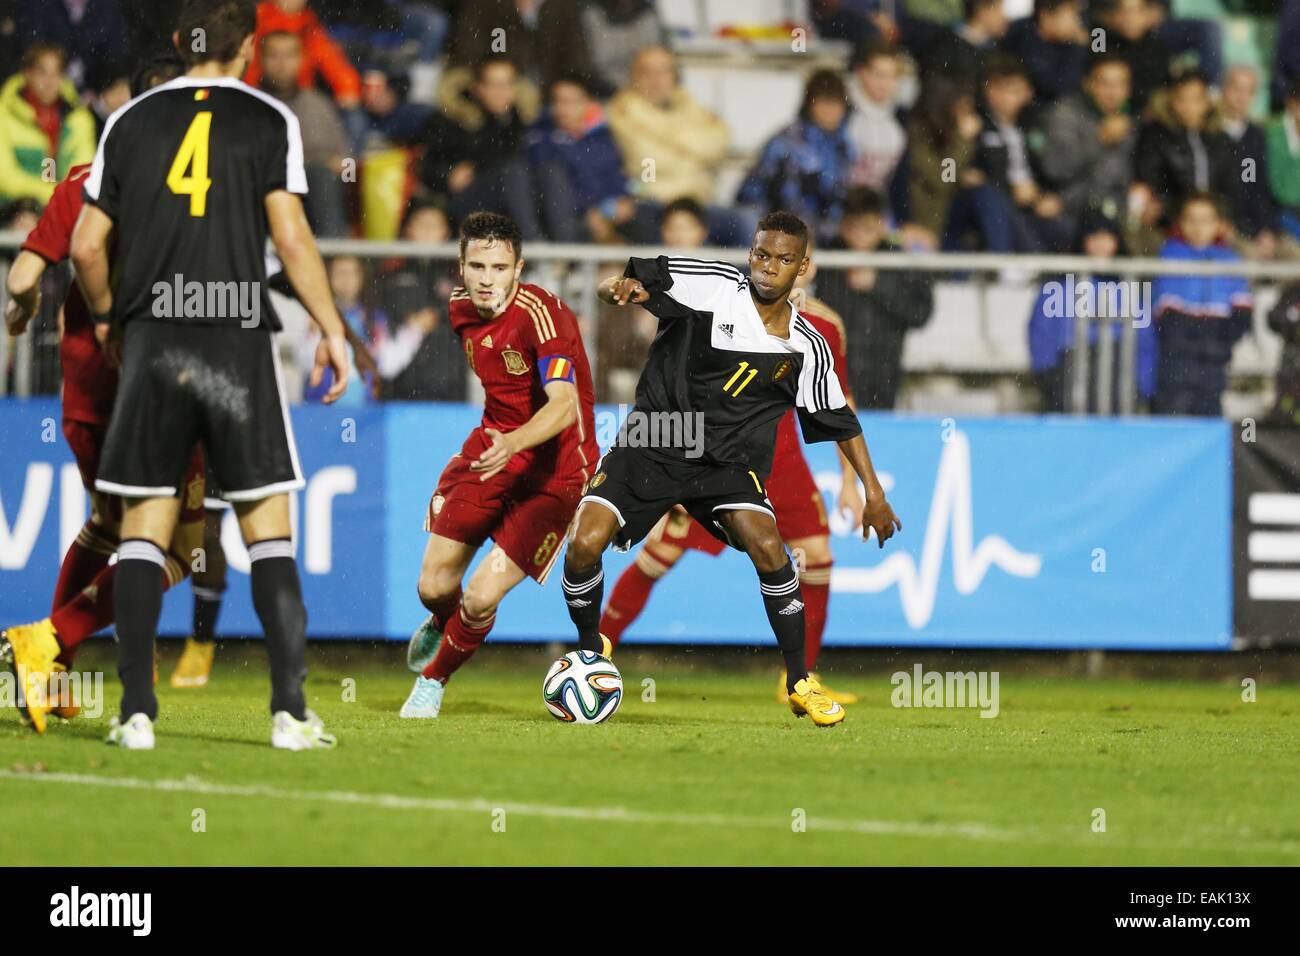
(1111, 127)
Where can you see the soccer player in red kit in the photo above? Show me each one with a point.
(800, 519)
(83, 596)
(520, 474)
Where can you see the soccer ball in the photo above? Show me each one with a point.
(583, 687)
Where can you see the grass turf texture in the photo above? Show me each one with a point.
(712, 772)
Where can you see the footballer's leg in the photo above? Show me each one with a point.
(465, 631)
(814, 567)
(441, 572)
(147, 528)
(632, 589)
(277, 599)
(756, 533)
(597, 524)
(209, 588)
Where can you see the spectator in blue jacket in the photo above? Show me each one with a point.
(1198, 319)
(1052, 324)
(805, 167)
(1053, 44)
(578, 169)
(94, 32)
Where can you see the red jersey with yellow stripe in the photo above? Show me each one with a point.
(534, 341)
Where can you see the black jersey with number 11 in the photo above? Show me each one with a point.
(713, 357)
(184, 171)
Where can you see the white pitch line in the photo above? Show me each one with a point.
(392, 801)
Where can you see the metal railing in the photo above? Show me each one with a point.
(561, 260)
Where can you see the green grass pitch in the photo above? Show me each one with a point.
(713, 771)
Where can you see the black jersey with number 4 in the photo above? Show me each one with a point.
(184, 171)
(713, 356)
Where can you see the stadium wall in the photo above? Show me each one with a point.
(1025, 532)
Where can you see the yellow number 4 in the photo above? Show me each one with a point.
(193, 155)
(740, 371)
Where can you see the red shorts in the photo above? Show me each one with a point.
(800, 512)
(527, 522)
(87, 444)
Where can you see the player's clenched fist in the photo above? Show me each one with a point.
(621, 291)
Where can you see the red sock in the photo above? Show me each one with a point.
(445, 608)
(815, 583)
(460, 639)
(91, 610)
(87, 556)
(631, 591)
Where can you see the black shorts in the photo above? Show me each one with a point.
(640, 488)
(212, 499)
(217, 385)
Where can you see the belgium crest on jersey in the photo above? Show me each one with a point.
(782, 369)
(516, 364)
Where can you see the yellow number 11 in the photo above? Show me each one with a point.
(193, 155)
(740, 371)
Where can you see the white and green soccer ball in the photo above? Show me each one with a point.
(583, 687)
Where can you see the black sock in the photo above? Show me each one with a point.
(277, 598)
(783, 601)
(583, 591)
(137, 602)
(207, 605)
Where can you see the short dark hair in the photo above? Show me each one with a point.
(691, 207)
(873, 49)
(863, 201)
(823, 85)
(572, 78)
(491, 227)
(971, 7)
(163, 67)
(786, 222)
(1180, 75)
(1199, 195)
(419, 204)
(1004, 66)
(278, 35)
(1108, 59)
(1051, 6)
(225, 24)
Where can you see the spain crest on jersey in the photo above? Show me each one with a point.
(516, 364)
(782, 369)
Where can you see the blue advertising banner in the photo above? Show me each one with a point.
(1018, 532)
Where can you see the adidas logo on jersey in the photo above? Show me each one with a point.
(727, 329)
(794, 607)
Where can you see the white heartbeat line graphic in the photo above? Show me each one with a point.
(950, 508)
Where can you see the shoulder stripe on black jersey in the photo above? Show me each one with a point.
(827, 368)
(821, 363)
(733, 275)
(683, 262)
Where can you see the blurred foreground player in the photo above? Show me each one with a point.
(520, 474)
(188, 180)
(731, 357)
(83, 595)
(800, 519)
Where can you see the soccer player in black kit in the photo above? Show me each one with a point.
(732, 353)
(188, 180)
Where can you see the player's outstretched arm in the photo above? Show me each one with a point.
(24, 287)
(559, 412)
(296, 246)
(617, 290)
(877, 514)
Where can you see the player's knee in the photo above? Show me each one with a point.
(436, 586)
(479, 600)
(767, 551)
(586, 548)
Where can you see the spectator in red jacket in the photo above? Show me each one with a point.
(321, 56)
